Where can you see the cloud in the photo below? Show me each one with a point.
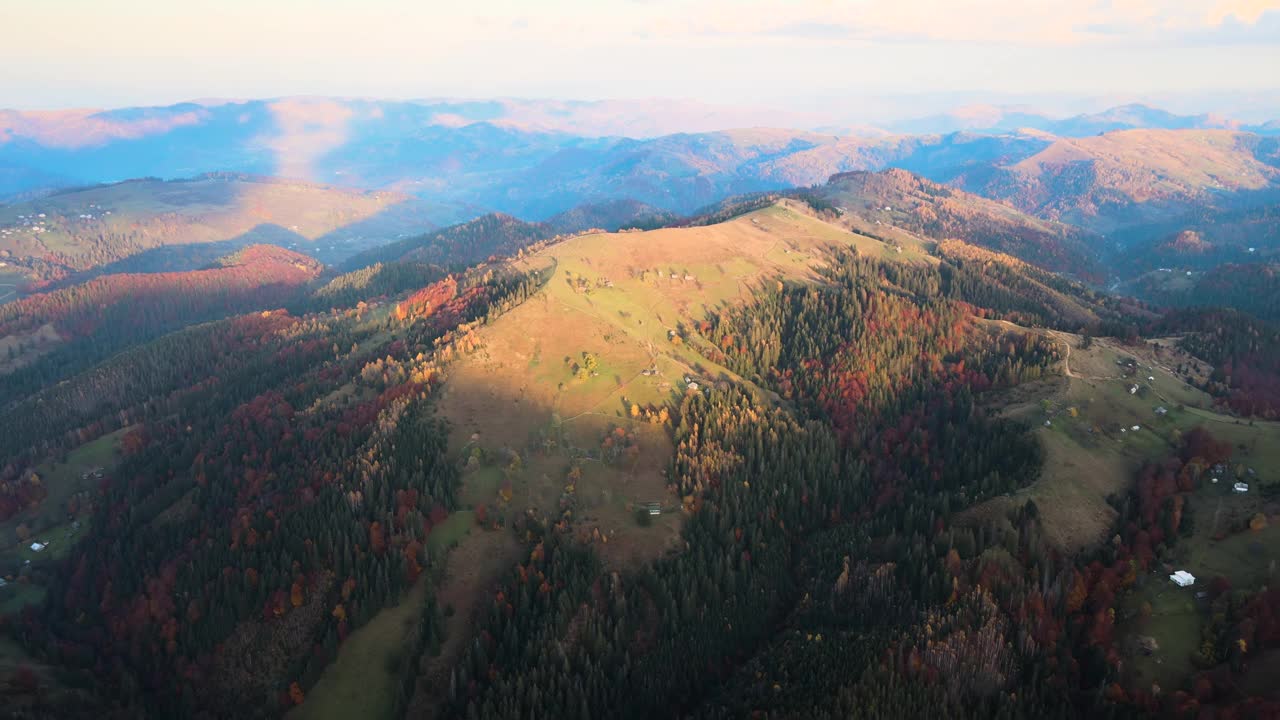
(73, 129)
(1025, 22)
(811, 30)
(1245, 11)
(306, 129)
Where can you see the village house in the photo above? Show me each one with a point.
(1182, 578)
(1240, 488)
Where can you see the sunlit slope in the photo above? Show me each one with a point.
(1119, 180)
(80, 230)
(633, 301)
(896, 200)
(1114, 407)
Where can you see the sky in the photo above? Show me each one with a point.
(94, 53)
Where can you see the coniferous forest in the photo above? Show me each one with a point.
(281, 474)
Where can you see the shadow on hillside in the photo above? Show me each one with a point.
(404, 219)
(195, 256)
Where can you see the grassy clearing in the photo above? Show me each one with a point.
(11, 280)
(452, 531)
(1091, 448)
(1174, 623)
(1086, 425)
(16, 595)
(49, 522)
(59, 539)
(1246, 559)
(471, 571)
(634, 301)
(62, 479)
(361, 681)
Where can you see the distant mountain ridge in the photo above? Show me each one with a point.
(81, 229)
(453, 161)
(525, 157)
(999, 119)
(898, 199)
(465, 157)
(1132, 178)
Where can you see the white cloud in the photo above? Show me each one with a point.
(725, 50)
(1247, 11)
(1025, 22)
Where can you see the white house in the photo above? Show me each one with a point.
(1240, 487)
(38, 546)
(1182, 578)
(1136, 428)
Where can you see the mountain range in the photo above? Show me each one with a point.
(390, 170)
(347, 409)
(996, 118)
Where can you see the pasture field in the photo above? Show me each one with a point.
(621, 310)
(1085, 419)
(361, 681)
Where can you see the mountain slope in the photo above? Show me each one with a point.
(81, 230)
(1123, 179)
(470, 157)
(1253, 288)
(998, 119)
(585, 453)
(610, 215)
(462, 244)
(78, 324)
(899, 199)
(499, 234)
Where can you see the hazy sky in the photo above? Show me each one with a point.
(77, 53)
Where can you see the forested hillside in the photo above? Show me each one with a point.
(82, 230)
(48, 336)
(898, 198)
(760, 465)
(1120, 181)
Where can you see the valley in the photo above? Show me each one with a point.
(134, 225)
(319, 452)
